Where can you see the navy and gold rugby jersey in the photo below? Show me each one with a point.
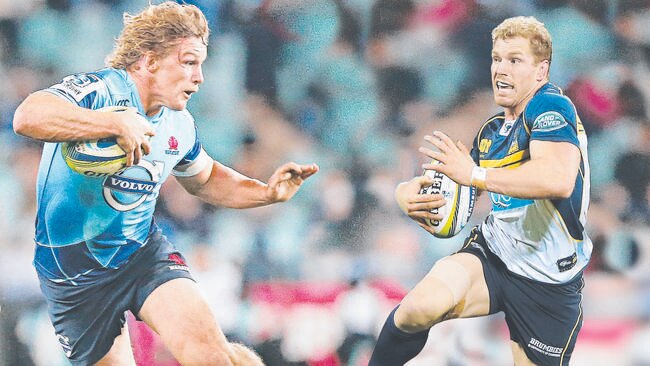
(91, 222)
(541, 239)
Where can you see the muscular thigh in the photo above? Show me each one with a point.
(178, 312)
(454, 288)
(476, 299)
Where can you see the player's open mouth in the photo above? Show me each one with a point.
(188, 93)
(501, 85)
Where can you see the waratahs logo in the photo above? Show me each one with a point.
(128, 188)
(173, 146)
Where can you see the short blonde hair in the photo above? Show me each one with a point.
(157, 29)
(529, 28)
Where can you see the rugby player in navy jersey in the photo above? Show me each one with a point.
(526, 258)
(98, 252)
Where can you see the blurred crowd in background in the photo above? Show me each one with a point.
(352, 85)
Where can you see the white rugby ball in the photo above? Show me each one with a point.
(95, 158)
(458, 209)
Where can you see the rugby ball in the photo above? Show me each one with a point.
(458, 209)
(95, 158)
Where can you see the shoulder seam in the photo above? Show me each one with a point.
(497, 116)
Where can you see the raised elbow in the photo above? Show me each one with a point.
(21, 121)
(563, 188)
(566, 191)
(26, 117)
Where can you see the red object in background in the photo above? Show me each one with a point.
(392, 290)
(595, 105)
(448, 14)
(329, 360)
(149, 349)
(290, 293)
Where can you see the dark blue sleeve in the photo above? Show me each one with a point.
(194, 151)
(552, 117)
(474, 152)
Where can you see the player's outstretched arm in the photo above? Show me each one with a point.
(221, 185)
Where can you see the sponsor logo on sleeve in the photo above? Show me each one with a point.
(78, 86)
(549, 121)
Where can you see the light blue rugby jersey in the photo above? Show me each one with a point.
(86, 223)
(543, 240)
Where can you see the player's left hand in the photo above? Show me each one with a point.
(455, 160)
(287, 179)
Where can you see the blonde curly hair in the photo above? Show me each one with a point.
(157, 29)
(529, 28)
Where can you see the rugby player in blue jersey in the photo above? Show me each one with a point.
(98, 252)
(526, 259)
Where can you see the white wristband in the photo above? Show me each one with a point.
(479, 176)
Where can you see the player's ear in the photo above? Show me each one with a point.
(542, 70)
(150, 61)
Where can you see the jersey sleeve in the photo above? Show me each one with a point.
(87, 90)
(474, 152)
(552, 118)
(194, 161)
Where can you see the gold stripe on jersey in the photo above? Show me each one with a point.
(523, 120)
(579, 125)
(510, 161)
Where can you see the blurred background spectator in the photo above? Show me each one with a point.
(353, 85)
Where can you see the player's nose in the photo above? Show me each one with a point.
(197, 76)
(501, 68)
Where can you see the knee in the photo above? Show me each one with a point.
(414, 316)
(420, 311)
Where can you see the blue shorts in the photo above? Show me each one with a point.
(88, 317)
(543, 318)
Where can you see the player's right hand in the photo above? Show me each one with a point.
(135, 133)
(416, 205)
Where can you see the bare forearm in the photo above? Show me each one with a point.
(245, 193)
(226, 187)
(535, 179)
(46, 117)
